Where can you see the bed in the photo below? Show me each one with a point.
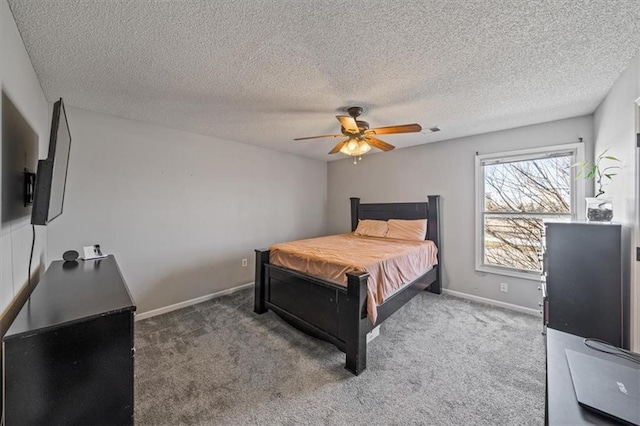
(337, 310)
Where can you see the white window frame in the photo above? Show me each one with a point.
(577, 197)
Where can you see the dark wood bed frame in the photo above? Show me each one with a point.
(336, 313)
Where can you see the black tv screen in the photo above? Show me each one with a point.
(51, 176)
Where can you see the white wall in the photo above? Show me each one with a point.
(20, 84)
(447, 169)
(615, 129)
(181, 210)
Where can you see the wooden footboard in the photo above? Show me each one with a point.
(319, 308)
(328, 311)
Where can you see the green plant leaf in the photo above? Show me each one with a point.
(610, 168)
(589, 170)
(603, 153)
(580, 164)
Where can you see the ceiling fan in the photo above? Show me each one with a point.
(359, 137)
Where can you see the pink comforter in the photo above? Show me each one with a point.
(390, 263)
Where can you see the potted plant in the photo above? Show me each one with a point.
(599, 209)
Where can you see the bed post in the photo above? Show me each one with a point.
(262, 258)
(355, 203)
(434, 234)
(356, 333)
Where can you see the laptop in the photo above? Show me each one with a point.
(606, 387)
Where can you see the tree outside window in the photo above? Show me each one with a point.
(518, 193)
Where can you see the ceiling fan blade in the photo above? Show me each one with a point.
(349, 123)
(338, 147)
(390, 130)
(319, 137)
(377, 143)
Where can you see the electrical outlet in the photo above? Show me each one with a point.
(244, 263)
(504, 287)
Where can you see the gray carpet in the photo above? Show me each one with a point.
(439, 360)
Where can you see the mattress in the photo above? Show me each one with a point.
(391, 263)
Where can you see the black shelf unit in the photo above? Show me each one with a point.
(583, 286)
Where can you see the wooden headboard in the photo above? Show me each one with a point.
(429, 210)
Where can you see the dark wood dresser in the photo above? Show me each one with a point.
(68, 356)
(583, 286)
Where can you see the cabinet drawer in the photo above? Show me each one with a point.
(80, 373)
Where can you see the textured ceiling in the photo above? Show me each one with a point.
(266, 71)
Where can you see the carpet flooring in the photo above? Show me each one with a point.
(439, 360)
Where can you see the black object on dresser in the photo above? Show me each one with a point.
(584, 290)
(68, 356)
(562, 407)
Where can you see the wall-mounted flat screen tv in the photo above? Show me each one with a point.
(51, 177)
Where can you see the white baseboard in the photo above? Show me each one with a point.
(180, 305)
(505, 305)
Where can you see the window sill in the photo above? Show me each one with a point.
(532, 276)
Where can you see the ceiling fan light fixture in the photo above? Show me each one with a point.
(355, 148)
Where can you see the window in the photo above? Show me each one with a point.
(516, 192)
